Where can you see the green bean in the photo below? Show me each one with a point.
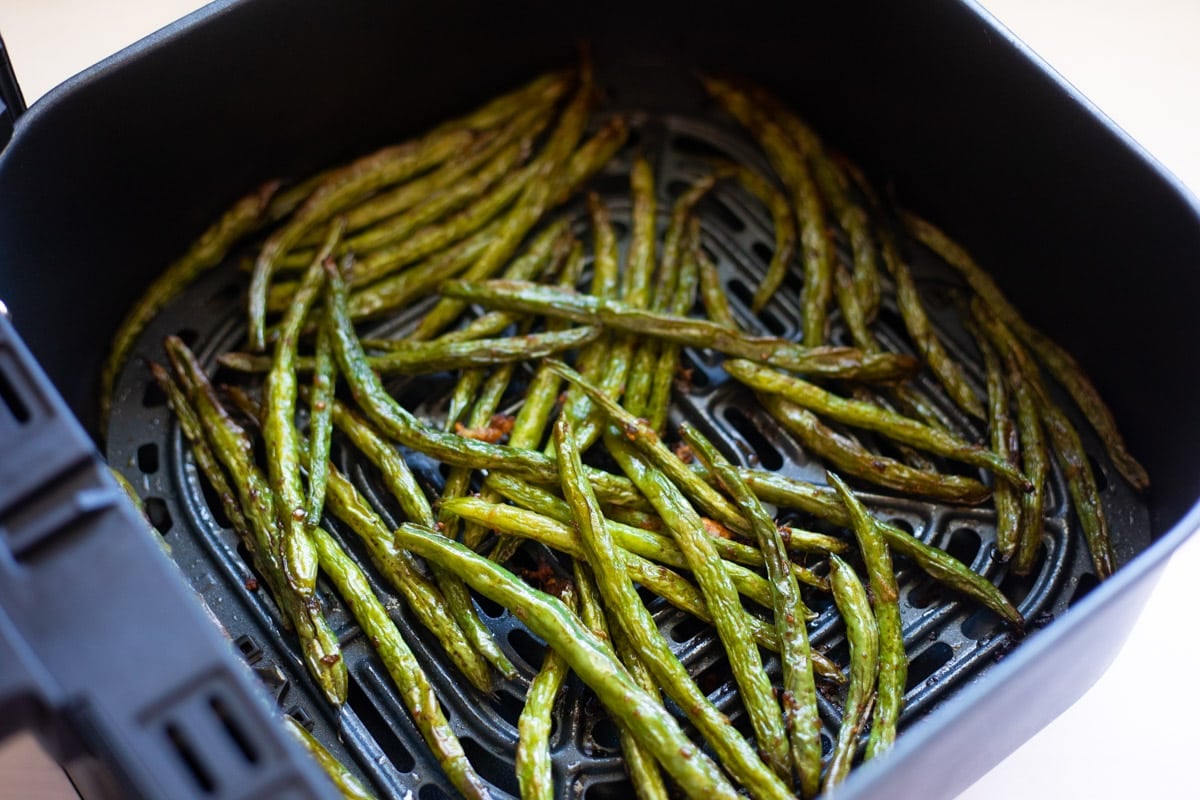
(462, 397)
(1005, 444)
(635, 286)
(415, 690)
(639, 763)
(798, 540)
(862, 634)
(535, 198)
(668, 358)
(656, 547)
(637, 290)
(924, 337)
(815, 245)
(854, 459)
(425, 600)
(801, 717)
(299, 559)
(318, 644)
(608, 562)
(427, 603)
(720, 593)
(771, 487)
(713, 295)
(853, 314)
(394, 470)
(832, 183)
(893, 663)
(320, 424)
(1023, 376)
(1081, 483)
(650, 544)
(347, 784)
(639, 431)
(532, 762)
(658, 579)
(873, 418)
(587, 657)
(343, 188)
(395, 421)
(780, 209)
(487, 205)
(245, 216)
(426, 358)
(446, 189)
(1065, 369)
(594, 359)
(210, 467)
(832, 362)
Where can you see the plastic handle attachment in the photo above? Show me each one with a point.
(104, 649)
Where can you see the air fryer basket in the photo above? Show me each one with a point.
(931, 101)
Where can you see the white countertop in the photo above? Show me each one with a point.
(1134, 733)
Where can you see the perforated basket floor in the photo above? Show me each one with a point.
(949, 643)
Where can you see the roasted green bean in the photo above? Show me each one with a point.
(345, 781)
(862, 634)
(850, 457)
(832, 362)
(532, 763)
(1059, 362)
(799, 696)
(885, 600)
(873, 418)
(587, 657)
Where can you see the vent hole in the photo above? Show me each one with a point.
(236, 734)
(188, 336)
(529, 649)
(215, 506)
(157, 513)
(930, 660)
(153, 397)
(508, 707)
(248, 648)
(690, 145)
(1087, 582)
(300, 715)
(199, 773)
(609, 790)
(10, 398)
(147, 458)
(981, 625)
(369, 712)
(605, 734)
(742, 292)
(964, 545)
(431, 791)
(712, 207)
(491, 767)
(764, 252)
(925, 594)
(1017, 587)
(687, 629)
(826, 746)
(489, 607)
(903, 524)
(764, 452)
(610, 184)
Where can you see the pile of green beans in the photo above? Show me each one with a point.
(583, 460)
